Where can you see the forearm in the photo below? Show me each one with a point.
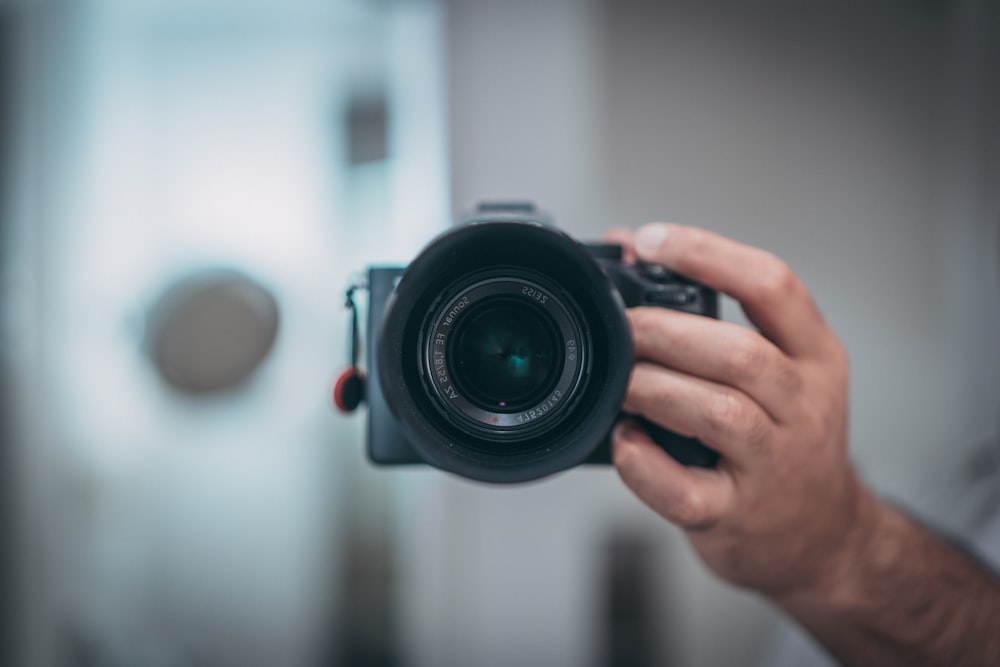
(901, 596)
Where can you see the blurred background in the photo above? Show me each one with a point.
(187, 187)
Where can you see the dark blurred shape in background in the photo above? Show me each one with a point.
(296, 142)
(368, 634)
(209, 332)
(367, 128)
(634, 625)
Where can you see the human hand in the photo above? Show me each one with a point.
(784, 509)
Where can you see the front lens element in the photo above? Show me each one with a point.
(504, 355)
(507, 355)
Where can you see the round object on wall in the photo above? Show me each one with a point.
(210, 331)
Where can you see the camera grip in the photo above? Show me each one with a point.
(687, 451)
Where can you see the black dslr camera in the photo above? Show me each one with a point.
(502, 352)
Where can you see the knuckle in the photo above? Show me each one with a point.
(788, 379)
(746, 359)
(750, 361)
(730, 415)
(836, 364)
(778, 281)
(758, 434)
(687, 508)
(823, 422)
(724, 412)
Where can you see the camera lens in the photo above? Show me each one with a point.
(506, 355)
(504, 352)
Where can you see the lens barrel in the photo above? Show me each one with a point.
(504, 351)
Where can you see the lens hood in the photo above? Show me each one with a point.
(496, 448)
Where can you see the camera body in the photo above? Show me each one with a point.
(507, 274)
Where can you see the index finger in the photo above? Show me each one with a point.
(772, 296)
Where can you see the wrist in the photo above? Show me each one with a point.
(866, 546)
(896, 594)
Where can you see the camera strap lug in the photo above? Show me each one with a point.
(349, 389)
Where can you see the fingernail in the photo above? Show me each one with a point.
(649, 238)
(622, 430)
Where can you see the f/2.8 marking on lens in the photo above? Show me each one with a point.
(535, 294)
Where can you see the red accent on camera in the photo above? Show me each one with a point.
(348, 391)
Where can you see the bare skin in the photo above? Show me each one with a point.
(785, 513)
